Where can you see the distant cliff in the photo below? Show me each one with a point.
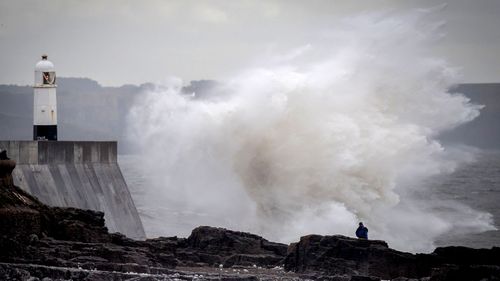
(89, 111)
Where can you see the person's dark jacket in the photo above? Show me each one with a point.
(362, 232)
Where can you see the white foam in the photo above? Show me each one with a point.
(315, 141)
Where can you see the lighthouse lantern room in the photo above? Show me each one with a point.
(45, 103)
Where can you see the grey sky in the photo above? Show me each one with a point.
(120, 42)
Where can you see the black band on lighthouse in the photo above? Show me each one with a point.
(45, 132)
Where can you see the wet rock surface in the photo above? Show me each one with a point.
(340, 255)
(39, 242)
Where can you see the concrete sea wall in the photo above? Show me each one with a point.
(77, 174)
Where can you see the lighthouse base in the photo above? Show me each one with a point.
(45, 132)
(77, 174)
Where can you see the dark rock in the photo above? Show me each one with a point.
(466, 273)
(464, 255)
(12, 273)
(334, 278)
(364, 278)
(85, 259)
(31, 272)
(220, 240)
(33, 239)
(250, 260)
(336, 255)
(10, 195)
(3, 155)
(6, 168)
(38, 241)
(76, 225)
(238, 278)
(214, 246)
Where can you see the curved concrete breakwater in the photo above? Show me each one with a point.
(78, 174)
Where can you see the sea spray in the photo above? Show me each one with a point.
(339, 131)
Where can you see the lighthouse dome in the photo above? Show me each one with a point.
(44, 65)
(45, 73)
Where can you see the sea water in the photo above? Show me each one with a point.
(476, 185)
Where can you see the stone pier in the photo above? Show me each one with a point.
(80, 174)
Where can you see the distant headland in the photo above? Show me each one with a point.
(90, 111)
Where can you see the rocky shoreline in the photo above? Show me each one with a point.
(39, 242)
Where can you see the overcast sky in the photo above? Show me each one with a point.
(132, 42)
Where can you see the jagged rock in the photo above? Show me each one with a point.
(249, 260)
(409, 279)
(76, 225)
(334, 278)
(10, 195)
(463, 255)
(466, 273)
(13, 273)
(364, 278)
(215, 246)
(220, 240)
(336, 255)
(6, 168)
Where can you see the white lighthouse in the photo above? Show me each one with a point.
(45, 103)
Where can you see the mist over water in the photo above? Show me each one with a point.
(334, 132)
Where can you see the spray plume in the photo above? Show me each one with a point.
(313, 141)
